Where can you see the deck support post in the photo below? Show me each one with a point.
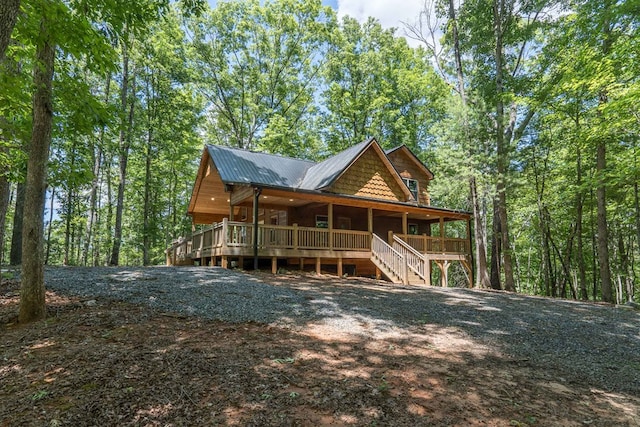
(225, 262)
(274, 265)
(427, 272)
(256, 199)
(241, 262)
(301, 263)
(340, 267)
(378, 274)
(318, 266)
(444, 272)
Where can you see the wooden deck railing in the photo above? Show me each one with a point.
(435, 244)
(233, 234)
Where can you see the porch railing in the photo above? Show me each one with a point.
(435, 244)
(240, 234)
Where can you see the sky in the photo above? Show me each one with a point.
(390, 13)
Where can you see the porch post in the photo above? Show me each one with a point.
(370, 220)
(256, 199)
(442, 234)
(405, 226)
(330, 220)
(231, 211)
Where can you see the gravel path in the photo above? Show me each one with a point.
(591, 343)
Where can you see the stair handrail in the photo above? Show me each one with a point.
(415, 260)
(393, 260)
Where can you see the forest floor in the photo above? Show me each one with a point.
(98, 361)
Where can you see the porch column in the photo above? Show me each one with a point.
(330, 221)
(256, 200)
(405, 226)
(442, 234)
(370, 221)
(231, 211)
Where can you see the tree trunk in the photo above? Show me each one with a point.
(15, 256)
(495, 250)
(123, 153)
(32, 293)
(501, 149)
(50, 225)
(482, 274)
(146, 258)
(68, 213)
(5, 193)
(603, 230)
(582, 275)
(96, 153)
(9, 10)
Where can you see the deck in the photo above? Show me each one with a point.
(230, 239)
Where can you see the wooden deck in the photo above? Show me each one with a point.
(230, 239)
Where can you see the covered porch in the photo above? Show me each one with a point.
(303, 230)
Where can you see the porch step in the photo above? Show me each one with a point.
(388, 273)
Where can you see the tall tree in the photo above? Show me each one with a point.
(32, 302)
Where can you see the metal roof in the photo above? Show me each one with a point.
(237, 166)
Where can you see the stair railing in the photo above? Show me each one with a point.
(415, 260)
(391, 259)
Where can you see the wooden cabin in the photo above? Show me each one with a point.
(362, 212)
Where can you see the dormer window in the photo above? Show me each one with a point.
(412, 185)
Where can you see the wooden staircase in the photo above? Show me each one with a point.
(400, 263)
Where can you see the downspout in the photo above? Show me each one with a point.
(256, 199)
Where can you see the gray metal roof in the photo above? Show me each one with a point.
(237, 166)
(247, 167)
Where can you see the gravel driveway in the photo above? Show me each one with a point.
(591, 343)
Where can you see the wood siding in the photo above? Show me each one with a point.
(407, 168)
(369, 177)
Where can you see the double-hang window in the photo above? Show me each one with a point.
(412, 185)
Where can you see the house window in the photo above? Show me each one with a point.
(344, 223)
(322, 221)
(413, 229)
(412, 185)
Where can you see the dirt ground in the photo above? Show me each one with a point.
(96, 362)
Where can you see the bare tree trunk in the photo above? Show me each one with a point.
(9, 10)
(15, 255)
(496, 243)
(97, 162)
(624, 268)
(123, 153)
(482, 274)
(69, 212)
(502, 152)
(601, 166)
(146, 258)
(32, 293)
(582, 275)
(5, 192)
(50, 225)
(603, 230)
